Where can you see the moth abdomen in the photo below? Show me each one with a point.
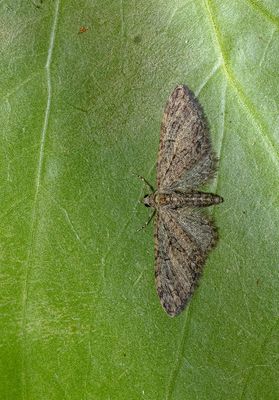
(190, 199)
(202, 199)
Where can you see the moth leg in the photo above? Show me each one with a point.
(148, 222)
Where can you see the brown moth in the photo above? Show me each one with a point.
(183, 235)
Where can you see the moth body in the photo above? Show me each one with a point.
(179, 200)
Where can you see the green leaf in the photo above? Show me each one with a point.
(83, 87)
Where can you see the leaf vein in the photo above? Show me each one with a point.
(179, 355)
(263, 11)
(37, 187)
(243, 98)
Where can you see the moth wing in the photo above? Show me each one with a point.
(182, 243)
(185, 158)
(198, 226)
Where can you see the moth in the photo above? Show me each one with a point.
(184, 235)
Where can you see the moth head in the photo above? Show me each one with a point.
(146, 200)
(150, 200)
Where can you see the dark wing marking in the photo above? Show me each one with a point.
(182, 243)
(185, 158)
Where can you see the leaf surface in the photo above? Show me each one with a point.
(83, 88)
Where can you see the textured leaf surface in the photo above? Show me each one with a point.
(83, 87)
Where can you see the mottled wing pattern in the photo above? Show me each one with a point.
(198, 226)
(185, 158)
(182, 242)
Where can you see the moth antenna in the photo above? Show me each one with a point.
(147, 222)
(146, 182)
